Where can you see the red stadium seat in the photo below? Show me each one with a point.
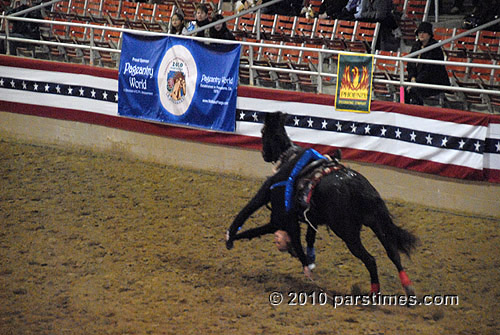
(129, 10)
(304, 30)
(367, 34)
(415, 9)
(145, 12)
(325, 29)
(284, 27)
(245, 26)
(267, 23)
(344, 30)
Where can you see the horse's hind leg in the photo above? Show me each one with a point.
(393, 254)
(358, 250)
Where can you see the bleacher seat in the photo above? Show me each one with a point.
(264, 77)
(146, 11)
(304, 81)
(325, 29)
(367, 34)
(267, 24)
(387, 69)
(78, 7)
(163, 13)
(283, 27)
(415, 9)
(128, 10)
(442, 34)
(269, 52)
(344, 30)
(245, 26)
(284, 78)
(291, 55)
(304, 30)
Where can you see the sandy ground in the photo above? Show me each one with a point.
(101, 244)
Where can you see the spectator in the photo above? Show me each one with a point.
(425, 73)
(286, 7)
(202, 19)
(220, 30)
(177, 25)
(351, 10)
(242, 5)
(331, 9)
(381, 11)
(23, 29)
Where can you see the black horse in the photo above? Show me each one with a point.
(343, 199)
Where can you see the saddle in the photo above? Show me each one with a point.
(306, 174)
(310, 177)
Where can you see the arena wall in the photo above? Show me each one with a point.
(231, 153)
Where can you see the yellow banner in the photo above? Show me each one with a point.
(354, 83)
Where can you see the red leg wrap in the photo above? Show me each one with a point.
(405, 281)
(375, 288)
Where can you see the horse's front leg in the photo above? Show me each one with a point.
(260, 199)
(310, 239)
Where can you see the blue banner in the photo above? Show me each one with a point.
(178, 80)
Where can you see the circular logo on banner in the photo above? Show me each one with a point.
(177, 80)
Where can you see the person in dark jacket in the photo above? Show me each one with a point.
(380, 11)
(425, 73)
(220, 30)
(331, 9)
(287, 7)
(202, 19)
(351, 11)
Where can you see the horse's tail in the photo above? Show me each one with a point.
(404, 240)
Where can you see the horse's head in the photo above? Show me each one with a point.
(274, 137)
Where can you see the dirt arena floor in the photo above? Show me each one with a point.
(101, 244)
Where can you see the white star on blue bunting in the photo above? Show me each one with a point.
(377, 130)
(58, 89)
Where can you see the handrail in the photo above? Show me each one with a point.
(321, 54)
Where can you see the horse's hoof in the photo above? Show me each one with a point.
(409, 290)
(229, 241)
(311, 255)
(375, 289)
(411, 296)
